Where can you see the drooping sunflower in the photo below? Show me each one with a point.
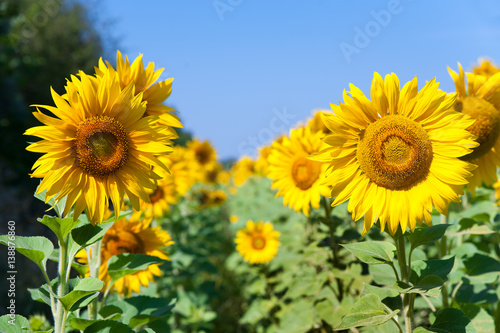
(99, 146)
(258, 243)
(144, 81)
(481, 101)
(486, 68)
(396, 156)
(132, 236)
(298, 178)
(242, 170)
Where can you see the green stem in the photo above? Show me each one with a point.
(62, 288)
(443, 251)
(333, 245)
(497, 318)
(407, 299)
(94, 259)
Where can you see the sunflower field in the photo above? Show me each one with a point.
(378, 215)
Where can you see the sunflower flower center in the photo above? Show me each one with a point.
(486, 127)
(157, 195)
(202, 156)
(305, 172)
(258, 242)
(125, 242)
(101, 146)
(395, 152)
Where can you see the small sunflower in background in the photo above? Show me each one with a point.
(131, 236)
(144, 81)
(396, 156)
(316, 123)
(210, 198)
(242, 170)
(258, 243)
(486, 68)
(481, 101)
(184, 167)
(298, 178)
(204, 153)
(99, 146)
(262, 163)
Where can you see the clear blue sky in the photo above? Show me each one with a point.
(246, 69)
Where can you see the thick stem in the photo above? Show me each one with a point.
(443, 251)
(333, 245)
(94, 258)
(62, 288)
(497, 318)
(407, 299)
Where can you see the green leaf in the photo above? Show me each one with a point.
(128, 263)
(108, 326)
(77, 298)
(388, 296)
(140, 310)
(422, 268)
(61, 227)
(37, 248)
(86, 234)
(450, 320)
(429, 285)
(483, 322)
(476, 293)
(297, 317)
(41, 294)
(480, 264)
(368, 311)
(372, 252)
(428, 235)
(14, 324)
(59, 208)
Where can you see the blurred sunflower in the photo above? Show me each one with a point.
(486, 68)
(298, 178)
(396, 156)
(262, 163)
(242, 170)
(258, 243)
(184, 167)
(316, 123)
(204, 153)
(133, 236)
(482, 103)
(98, 147)
(144, 80)
(211, 198)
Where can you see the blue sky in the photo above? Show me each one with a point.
(247, 70)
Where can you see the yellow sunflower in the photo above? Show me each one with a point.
(211, 198)
(133, 236)
(298, 178)
(262, 163)
(144, 80)
(316, 123)
(397, 155)
(203, 152)
(486, 68)
(98, 146)
(258, 243)
(242, 170)
(184, 167)
(481, 101)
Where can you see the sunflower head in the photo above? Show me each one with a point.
(242, 170)
(203, 152)
(485, 67)
(396, 156)
(131, 236)
(98, 145)
(298, 178)
(316, 123)
(258, 243)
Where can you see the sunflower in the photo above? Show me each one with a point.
(99, 146)
(482, 103)
(297, 178)
(144, 80)
(211, 198)
(396, 156)
(258, 242)
(242, 170)
(204, 153)
(486, 68)
(133, 236)
(184, 167)
(316, 123)
(262, 163)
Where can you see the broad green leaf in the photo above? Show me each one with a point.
(429, 285)
(483, 322)
(41, 294)
(37, 248)
(372, 252)
(59, 208)
(14, 324)
(108, 326)
(476, 293)
(422, 268)
(80, 323)
(297, 317)
(368, 311)
(450, 320)
(140, 310)
(128, 263)
(388, 296)
(472, 227)
(85, 234)
(77, 297)
(480, 264)
(427, 235)
(61, 227)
